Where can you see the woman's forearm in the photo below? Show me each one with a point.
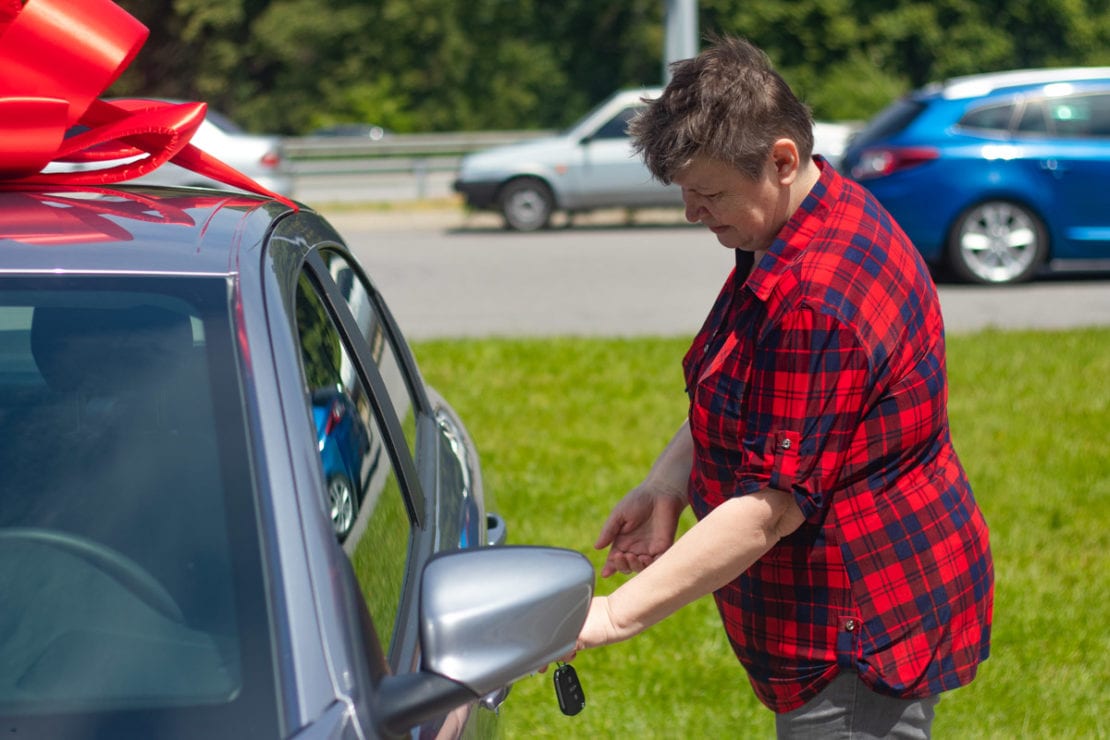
(714, 552)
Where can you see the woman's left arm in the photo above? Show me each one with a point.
(715, 551)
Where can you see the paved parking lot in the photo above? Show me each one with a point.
(447, 273)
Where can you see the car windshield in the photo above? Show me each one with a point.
(128, 607)
(889, 121)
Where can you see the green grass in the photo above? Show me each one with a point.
(566, 426)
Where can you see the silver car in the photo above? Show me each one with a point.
(169, 559)
(591, 165)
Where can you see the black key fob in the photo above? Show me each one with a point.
(568, 690)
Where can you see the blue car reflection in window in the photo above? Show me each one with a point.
(343, 442)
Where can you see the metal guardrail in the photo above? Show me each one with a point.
(321, 155)
(399, 167)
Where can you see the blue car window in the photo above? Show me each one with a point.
(1079, 116)
(989, 117)
(363, 493)
(892, 120)
(1034, 118)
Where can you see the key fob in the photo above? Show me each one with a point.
(568, 690)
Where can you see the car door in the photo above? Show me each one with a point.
(1078, 163)
(408, 499)
(607, 171)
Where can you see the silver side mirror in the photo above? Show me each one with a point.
(487, 618)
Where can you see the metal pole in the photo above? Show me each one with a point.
(680, 33)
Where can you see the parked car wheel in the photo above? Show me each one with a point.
(997, 242)
(343, 504)
(527, 204)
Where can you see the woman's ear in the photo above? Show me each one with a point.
(784, 155)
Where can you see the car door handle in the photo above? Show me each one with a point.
(497, 533)
(1054, 166)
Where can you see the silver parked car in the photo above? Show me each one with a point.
(589, 166)
(171, 561)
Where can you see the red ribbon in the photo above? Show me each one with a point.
(56, 58)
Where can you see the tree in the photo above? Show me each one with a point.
(288, 66)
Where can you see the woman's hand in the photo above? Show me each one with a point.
(642, 525)
(640, 528)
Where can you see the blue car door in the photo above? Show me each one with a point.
(1079, 164)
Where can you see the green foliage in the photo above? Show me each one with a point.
(444, 65)
(566, 426)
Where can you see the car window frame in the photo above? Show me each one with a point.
(361, 353)
(391, 331)
(403, 652)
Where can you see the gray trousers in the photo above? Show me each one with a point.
(848, 710)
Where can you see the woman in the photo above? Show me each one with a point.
(836, 527)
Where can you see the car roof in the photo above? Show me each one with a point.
(126, 229)
(973, 86)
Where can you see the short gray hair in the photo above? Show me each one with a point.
(727, 103)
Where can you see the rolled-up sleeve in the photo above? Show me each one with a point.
(802, 406)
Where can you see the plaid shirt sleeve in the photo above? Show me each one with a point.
(808, 381)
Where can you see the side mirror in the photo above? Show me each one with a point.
(487, 618)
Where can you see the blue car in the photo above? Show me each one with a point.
(996, 176)
(344, 444)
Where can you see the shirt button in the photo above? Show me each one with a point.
(850, 625)
(784, 445)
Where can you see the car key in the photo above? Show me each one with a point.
(568, 690)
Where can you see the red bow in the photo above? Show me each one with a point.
(56, 57)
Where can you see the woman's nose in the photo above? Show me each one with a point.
(693, 208)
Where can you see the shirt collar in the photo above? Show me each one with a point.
(793, 238)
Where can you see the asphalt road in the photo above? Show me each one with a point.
(447, 274)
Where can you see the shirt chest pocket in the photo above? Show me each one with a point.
(718, 400)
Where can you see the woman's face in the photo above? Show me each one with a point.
(744, 213)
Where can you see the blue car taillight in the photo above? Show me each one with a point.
(880, 162)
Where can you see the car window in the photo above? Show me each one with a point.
(989, 117)
(375, 330)
(1034, 118)
(1080, 115)
(891, 120)
(365, 499)
(617, 126)
(123, 474)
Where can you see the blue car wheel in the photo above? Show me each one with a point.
(997, 242)
(342, 504)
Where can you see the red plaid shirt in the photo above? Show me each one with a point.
(823, 375)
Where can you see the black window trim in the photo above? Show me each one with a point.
(404, 648)
(351, 335)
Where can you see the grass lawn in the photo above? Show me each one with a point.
(565, 427)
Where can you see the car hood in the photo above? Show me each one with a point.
(534, 153)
